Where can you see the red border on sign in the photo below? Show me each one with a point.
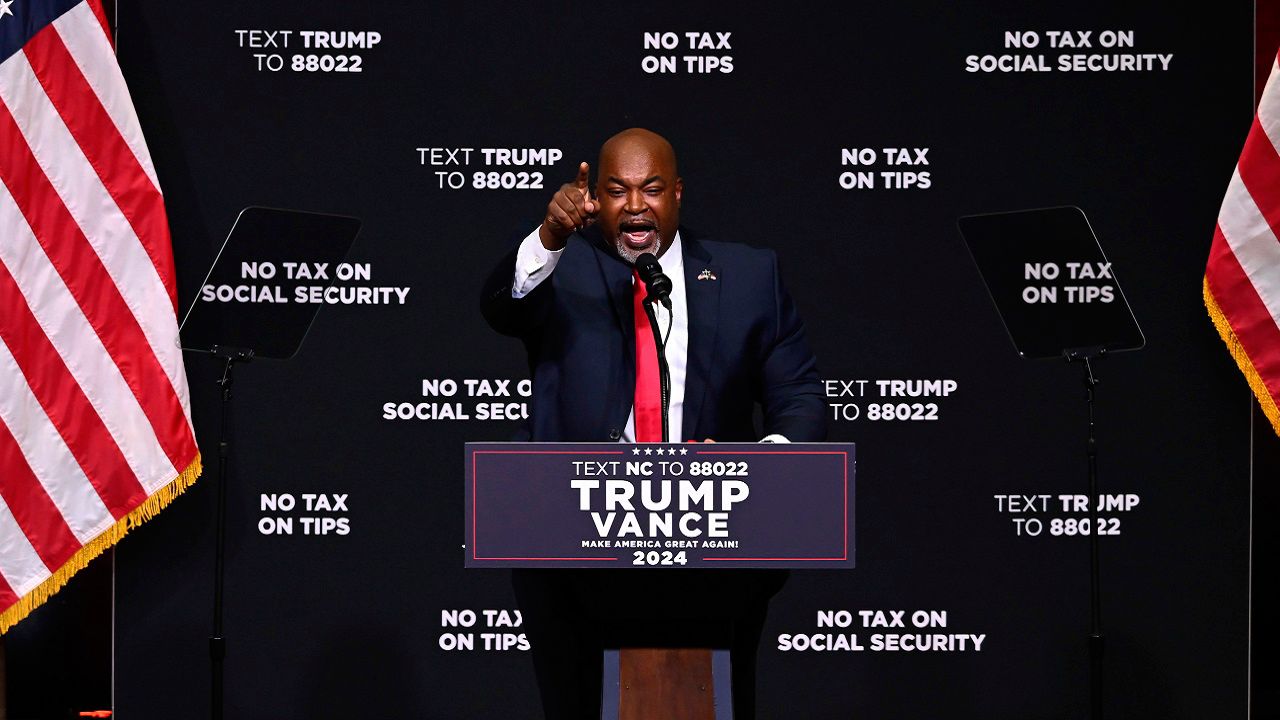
(845, 517)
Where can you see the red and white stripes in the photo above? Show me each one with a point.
(95, 420)
(1242, 277)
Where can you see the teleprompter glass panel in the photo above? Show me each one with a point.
(268, 281)
(1053, 286)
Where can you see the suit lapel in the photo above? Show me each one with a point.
(703, 300)
(616, 276)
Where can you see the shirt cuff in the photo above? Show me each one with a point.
(534, 264)
(774, 438)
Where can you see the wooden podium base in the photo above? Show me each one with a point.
(670, 684)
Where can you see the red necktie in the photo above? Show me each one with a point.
(648, 402)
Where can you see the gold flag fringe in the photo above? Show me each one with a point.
(1256, 384)
(144, 512)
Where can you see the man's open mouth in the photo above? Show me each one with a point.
(638, 234)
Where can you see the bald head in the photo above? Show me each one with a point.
(639, 193)
(638, 140)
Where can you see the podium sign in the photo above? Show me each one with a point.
(654, 505)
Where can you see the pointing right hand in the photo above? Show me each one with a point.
(571, 208)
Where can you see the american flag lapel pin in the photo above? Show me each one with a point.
(706, 274)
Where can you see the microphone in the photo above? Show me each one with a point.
(656, 283)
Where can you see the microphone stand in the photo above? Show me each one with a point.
(664, 372)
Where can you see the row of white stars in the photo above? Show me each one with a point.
(661, 451)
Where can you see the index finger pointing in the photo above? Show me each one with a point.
(583, 172)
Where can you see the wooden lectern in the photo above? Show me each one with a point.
(667, 683)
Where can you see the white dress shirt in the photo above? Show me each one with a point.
(534, 264)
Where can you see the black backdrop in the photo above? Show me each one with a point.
(351, 624)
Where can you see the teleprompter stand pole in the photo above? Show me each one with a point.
(1095, 595)
(218, 643)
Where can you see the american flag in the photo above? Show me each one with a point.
(1242, 277)
(95, 419)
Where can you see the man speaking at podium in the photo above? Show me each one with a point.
(571, 293)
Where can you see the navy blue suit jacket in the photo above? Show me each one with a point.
(746, 344)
